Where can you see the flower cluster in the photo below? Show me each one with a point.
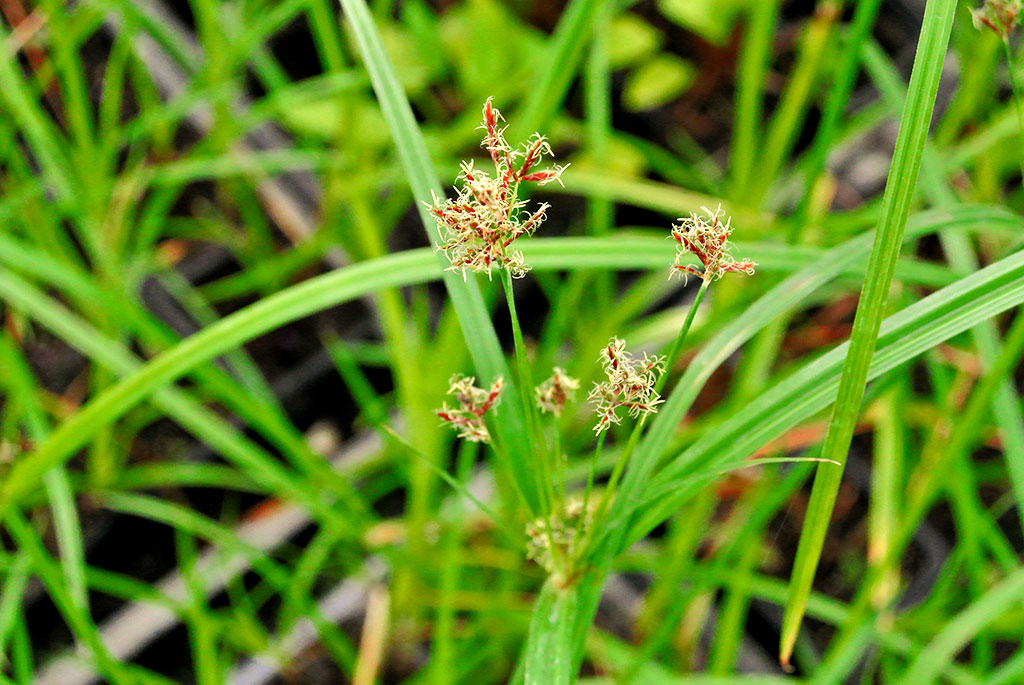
(479, 226)
(554, 392)
(998, 15)
(707, 238)
(630, 384)
(468, 417)
(566, 530)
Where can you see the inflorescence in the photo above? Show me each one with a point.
(707, 238)
(998, 15)
(554, 392)
(630, 384)
(565, 531)
(474, 402)
(479, 226)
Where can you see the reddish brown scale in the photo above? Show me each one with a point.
(531, 158)
(539, 176)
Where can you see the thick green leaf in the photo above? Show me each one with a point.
(549, 649)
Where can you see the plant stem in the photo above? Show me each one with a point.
(1015, 88)
(559, 461)
(593, 470)
(677, 346)
(613, 481)
(638, 430)
(620, 466)
(545, 487)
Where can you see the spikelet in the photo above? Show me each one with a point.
(630, 384)
(707, 238)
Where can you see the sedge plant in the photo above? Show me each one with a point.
(477, 231)
(586, 496)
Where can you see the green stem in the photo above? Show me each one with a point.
(620, 466)
(593, 471)
(677, 346)
(638, 430)
(1016, 99)
(560, 461)
(613, 481)
(545, 488)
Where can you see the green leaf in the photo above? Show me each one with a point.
(324, 117)
(549, 647)
(896, 201)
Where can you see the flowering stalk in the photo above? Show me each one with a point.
(707, 238)
(478, 229)
(677, 346)
(630, 384)
(525, 383)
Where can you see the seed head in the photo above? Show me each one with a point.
(998, 15)
(707, 238)
(630, 384)
(554, 392)
(468, 417)
(479, 226)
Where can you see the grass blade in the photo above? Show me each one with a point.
(899, 192)
(942, 650)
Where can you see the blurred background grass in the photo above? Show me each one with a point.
(164, 165)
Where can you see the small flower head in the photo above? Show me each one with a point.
(566, 529)
(630, 384)
(554, 392)
(473, 403)
(706, 237)
(479, 226)
(998, 15)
